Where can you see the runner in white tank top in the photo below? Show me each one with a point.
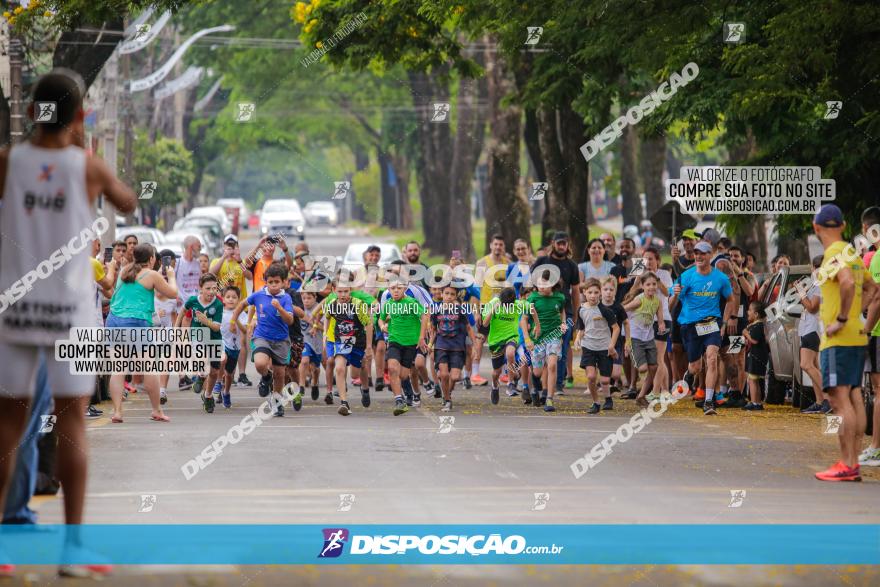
(48, 188)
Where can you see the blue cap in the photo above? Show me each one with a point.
(829, 216)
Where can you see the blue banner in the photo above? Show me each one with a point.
(778, 544)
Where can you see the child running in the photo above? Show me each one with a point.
(273, 309)
(229, 328)
(756, 360)
(502, 316)
(313, 344)
(207, 312)
(352, 328)
(450, 330)
(643, 307)
(544, 342)
(609, 293)
(598, 331)
(405, 321)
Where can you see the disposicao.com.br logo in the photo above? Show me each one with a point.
(452, 544)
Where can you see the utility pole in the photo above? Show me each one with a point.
(110, 128)
(16, 102)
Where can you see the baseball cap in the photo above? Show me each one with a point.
(703, 247)
(560, 236)
(829, 216)
(689, 233)
(230, 237)
(711, 236)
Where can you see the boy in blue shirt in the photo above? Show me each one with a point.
(273, 308)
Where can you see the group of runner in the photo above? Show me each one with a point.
(640, 325)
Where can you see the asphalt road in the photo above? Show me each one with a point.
(485, 468)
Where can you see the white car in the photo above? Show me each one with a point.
(282, 216)
(236, 203)
(174, 241)
(144, 234)
(354, 255)
(212, 212)
(317, 213)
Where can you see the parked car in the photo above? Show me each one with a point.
(282, 216)
(318, 213)
(214, 212)
(144, 234)
(354, 254)
(174, 241)
(781, 331)
(212, 230)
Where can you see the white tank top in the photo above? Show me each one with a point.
(46, 232)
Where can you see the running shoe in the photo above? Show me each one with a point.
(429, 385)
(208, 403)
(595, 408)
(709, 408)
(265, 385)
(536, 399)
(608, 405)
(613, 389)
(315, 393)
(826, 407)
(753, 407)
(409, 398)
(298, 400)
(870, 457)
(642, 402)
(184, 383)
(511, 389)
(438, 393)
(417, 400)
(335, 393)
(720, 398)
(476, 379)
(630, 394)
(700, 394)
(699, 404)
(739, 402)
(569, 383)
(365, 397)
(561, 389)
(227, 400)
(163, 398)
(198, 384)
(542, 399)
(467, 383)
(400, 407)
(839, 472)
(328, 399)
(218, 392)
(344, 410)
(652, 396)
(380, 385)
(504, 378)
(548, 405)
(244, 381)
(279, 408)
(92, 413)
(129, 387)
(386, 379)
(690, 379)
(527, 398)
(494, 395)
(447, 406)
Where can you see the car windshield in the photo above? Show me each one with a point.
(281, 207)
(355, 254)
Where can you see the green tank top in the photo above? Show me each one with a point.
(132, 300)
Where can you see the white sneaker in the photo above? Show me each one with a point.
(870, 457)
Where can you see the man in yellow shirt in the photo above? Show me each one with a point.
(230, 271)
(845, 284)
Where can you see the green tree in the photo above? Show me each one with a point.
(167, 163)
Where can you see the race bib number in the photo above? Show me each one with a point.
(704, 328)
(737, 343)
